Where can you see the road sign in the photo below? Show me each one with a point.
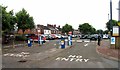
(119, 23)
(112, 40)
(115, 31)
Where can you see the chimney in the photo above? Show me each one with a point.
(55, 26)
(59, 26)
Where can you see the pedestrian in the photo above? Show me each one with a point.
(99, 39)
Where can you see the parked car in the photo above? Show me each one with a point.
(74, 36)
(58, 36)
(84, 37)
(35, 38)
(93, 37)
(65, 36)
(51, 37)
(106, 36)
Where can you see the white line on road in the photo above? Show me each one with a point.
(86, 45)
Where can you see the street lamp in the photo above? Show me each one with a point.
(111, 16)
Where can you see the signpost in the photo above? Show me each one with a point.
(115, 31)
(112, 40)
(115, 37)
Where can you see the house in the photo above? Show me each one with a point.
(47, 30)
(51, 27)
(40, 29)
(54, 29)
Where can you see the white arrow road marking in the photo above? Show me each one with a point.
(86, 60)
(86, 45)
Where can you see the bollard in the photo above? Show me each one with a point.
(70, 40)
(62, 43)
(29, 42)
(40, 41)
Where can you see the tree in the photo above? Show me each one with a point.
(86, 28)
(24, 20)
(100, 31)
(114, 23)
(66, 28)
(105, 32)
(93, 31)
(8, 20)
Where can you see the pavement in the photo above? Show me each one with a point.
(107, 52)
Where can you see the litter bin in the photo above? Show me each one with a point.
(62, 43)
(29, 42)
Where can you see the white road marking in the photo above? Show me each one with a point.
(86, 60)
(22, 54)
(65, 59)
(79, 60)
(75, 58)
(86, 45)
(87, 41)
(71, 59)
(78, 40)
(58, 58)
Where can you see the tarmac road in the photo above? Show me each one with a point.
(80, 55)
(87, 51)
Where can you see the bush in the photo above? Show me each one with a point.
(20, 38)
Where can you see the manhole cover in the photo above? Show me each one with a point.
(22, 61)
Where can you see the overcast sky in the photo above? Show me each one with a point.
(60, 12)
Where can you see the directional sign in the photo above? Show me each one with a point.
(112, 40)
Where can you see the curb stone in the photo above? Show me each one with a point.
(106, 56)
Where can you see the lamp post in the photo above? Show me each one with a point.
(15, 30)
(111, 16)
(38, 35)
(118, 38)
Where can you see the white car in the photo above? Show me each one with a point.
(105, 36)
(58, 36)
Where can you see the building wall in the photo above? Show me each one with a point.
(47, 31)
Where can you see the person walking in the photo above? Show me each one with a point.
(99, 39)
